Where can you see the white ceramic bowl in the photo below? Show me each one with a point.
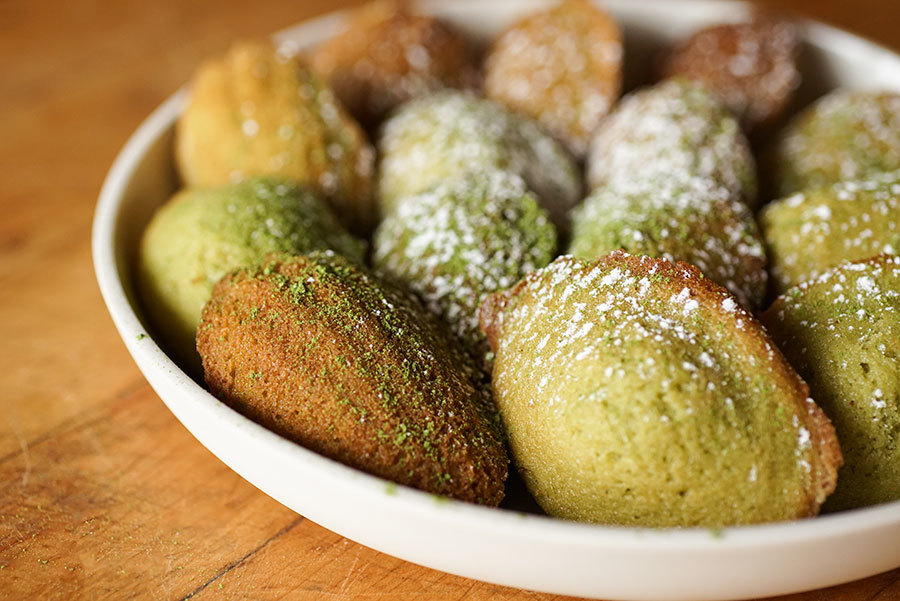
(497, 545)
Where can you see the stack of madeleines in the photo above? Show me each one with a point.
(402, 306)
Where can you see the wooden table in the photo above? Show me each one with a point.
(103, 494)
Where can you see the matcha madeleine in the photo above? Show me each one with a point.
(676, 127)
(448, 134)
(635, 391)
(319, 351)
(201, 234)
(681, 219)
(462, 240)
(809, 232)
(845, 135)
(842, 333)
(260, 111)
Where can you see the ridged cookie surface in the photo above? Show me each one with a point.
(449, 134)
(812, 231)
(675, 128)
(325, 354)
(561, 66)
(842, 333)
(388, 55)
(845, 135)
(637, 392)
(201, 234)
(260, 111)
(750, 66)
(693, 220)
(463, 240)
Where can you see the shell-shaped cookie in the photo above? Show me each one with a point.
(561, 66)
(809, 232)
(388, 55)
(635, 391)
(694, 220)
(750, 66)
(845, 135)
(675, 128)
(260, 111)
(449, 134)
(842, 333)
(203, 233)
(463, 240)
(323, 353)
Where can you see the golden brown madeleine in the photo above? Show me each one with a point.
(815, 230)
(562, 67)
(387, 56)
(842, 333)
(751, 67)
(845, 135)
(261, 111)
(326, 355)
(635, 391)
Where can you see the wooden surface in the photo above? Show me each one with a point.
(103, 494)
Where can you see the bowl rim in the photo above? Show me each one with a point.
(149, 356)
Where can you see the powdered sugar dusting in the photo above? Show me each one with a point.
(562, 66)
(845, 135)
(675, 340)
(842, 333)
(679, 218)
(750, 66)
(462, 240)
(675, 127)
(451, 133)
(811, 232)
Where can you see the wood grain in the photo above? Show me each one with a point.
(103, 494)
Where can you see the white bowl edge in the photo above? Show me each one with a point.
(535, 552)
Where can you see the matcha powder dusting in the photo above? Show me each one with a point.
(203, 233)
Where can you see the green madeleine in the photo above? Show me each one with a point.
(815, 230)
(448, 134)
(637, 392)
(463, 240)
(845, 135)
(841, 332)
(201, 234)
(681, 219)
(676, 128)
